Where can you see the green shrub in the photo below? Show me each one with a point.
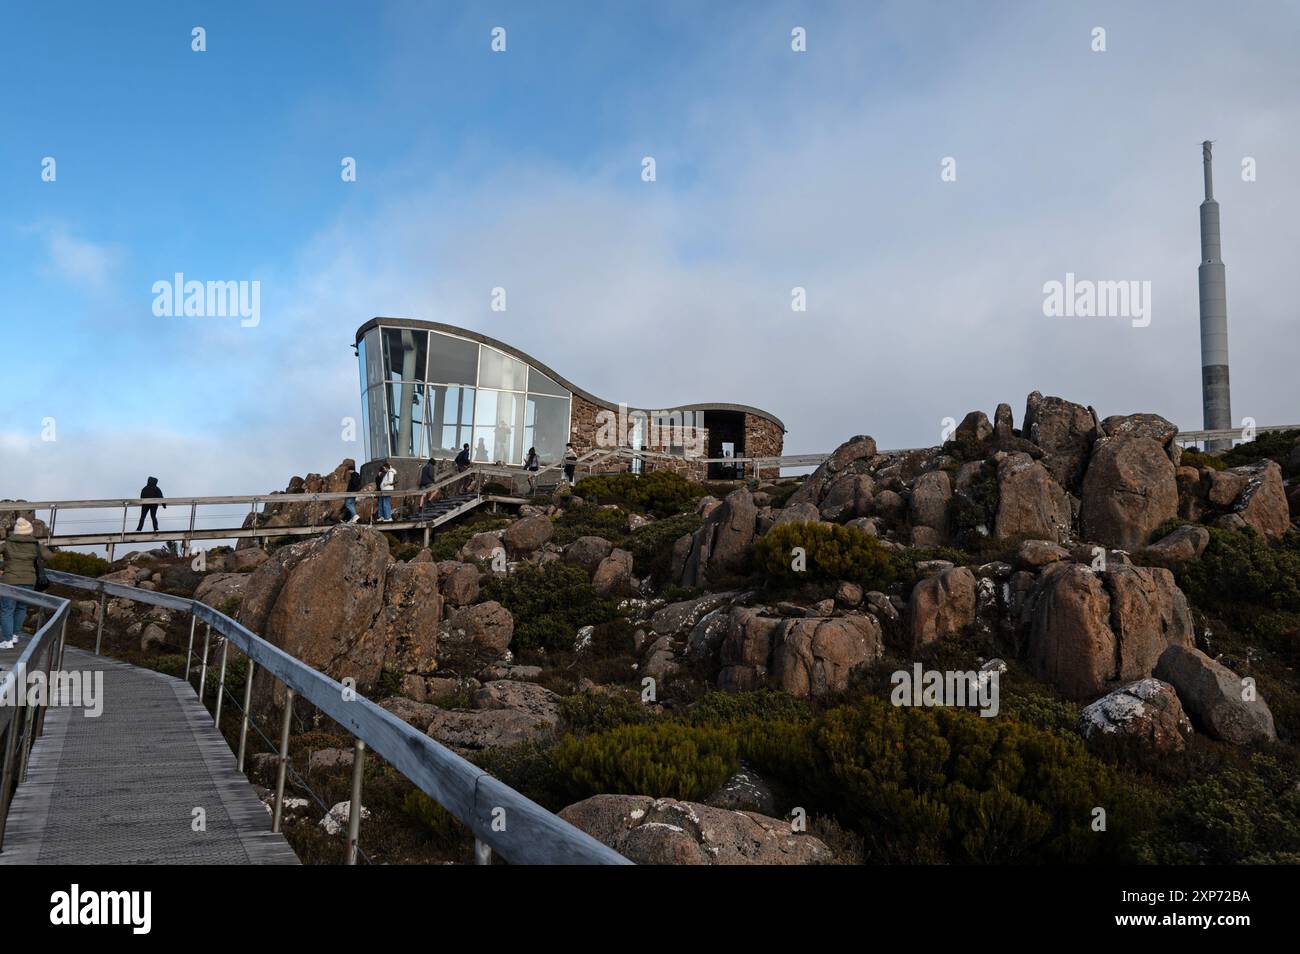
(1199, 459)
(82, 564)
(652, 545)
(662, 759)
(1243, 566)
(729, 708)
(447, 542)
(589, 712)
(436, 820)
(976, 506)
(660, 492)
(1272, 446)
(832, 552)
(549, 603)
(590, 521)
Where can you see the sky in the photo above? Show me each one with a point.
(775, 169)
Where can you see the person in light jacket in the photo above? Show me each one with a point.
(387, 481)
(19, 551)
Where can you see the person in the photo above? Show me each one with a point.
(532, 465)
(387, 480)
(19, 551)
(354, 484)
(150, 491)
(462, 460)
(570, 462)
(426, 481)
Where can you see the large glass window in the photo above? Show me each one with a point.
(498, 427)
(546, 427)
(405, 353)
(372, 360)
(375, 428)
(451, 419)
(539, 383)
(452, 360)
(497, 370)
(406, 420)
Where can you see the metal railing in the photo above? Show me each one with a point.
(21, 723)
(501, 819)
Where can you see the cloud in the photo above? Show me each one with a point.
(87, 265)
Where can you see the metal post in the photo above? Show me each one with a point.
(99, 631)
(354, 806)
(7, 776)
(203, 673)
(189, 652)
(221, 683)
(49, 681)
(248, 701)
(125, 509)
(29, 726)
(111, 547)
(63, 639)
(54, 518)
(482, 853)
(278, 811)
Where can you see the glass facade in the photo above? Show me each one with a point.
(427, 394)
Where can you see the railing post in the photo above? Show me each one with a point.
(125, 510)
(7, 776)
(49, 681)
(482, 852)
(29, 727)
(221, 683)
(203, 673)
(278, 811)
(63, 638)
(189, 652)
(354, 806)
(103, 610)
(248, 701)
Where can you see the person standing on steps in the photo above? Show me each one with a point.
(426, 481)
(532, 464)
(354, 484)
(570, 462)
(462, 460)
(387, 481)
(20, 552)
(150, 491)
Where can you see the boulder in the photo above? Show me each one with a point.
(587, 552)
(488, 626)
(974, 428)
(528, 534)
(682, 616)
(1186, 543)
(153, 637)
(1036, 554)
(481, 546)
(458, 582)
(816, 656)
(931, 496)
(721, 546)
(1218, 700)
(614, 572)
(744, 792)
(797, 513)
(746, 650)
(1129, 490)
(1262, 502)
(1065, 431)
(218, 589)
(941, 606)
(664, 831)
(849, 456)
(1144, 716)
(847, 496)
(1152, 426)
(407, 623)
(1030, 502)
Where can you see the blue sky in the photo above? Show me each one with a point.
(522, 170)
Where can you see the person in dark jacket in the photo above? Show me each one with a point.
(19, 551)
(462, 459)
(354, 484)
(426, 481)
(570, 462)
(532, 463)
(150, 491)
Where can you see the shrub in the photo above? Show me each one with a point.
(587, 712)
(976, 506)
(652, 545)
(446, 543)
(728, 708)
(1243, 566)
(1271, 446)
(662, 759)
(439, 823)
(660, 492)
(549, 603)
(832, 552)
(589, 522)
(82, 564)
(1199, 459)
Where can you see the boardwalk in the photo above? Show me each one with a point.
(122, 788)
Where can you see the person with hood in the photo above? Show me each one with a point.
(426, 481)
(19, 551)
(149, 491)
(354, 484)
(462, 459)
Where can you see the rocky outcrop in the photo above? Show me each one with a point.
(487, 626)
(502, 713)
(1090, 632)
(614, 572)
(481, 546)
(931, 496)
(804, 656)
(219, 589)
(459, 582)
(1129, 490)
(849, 459)
(1262, 503)
(664, 831)
(527, 534)
(721, 547)
(1065, 431)
(1144, 717)
(1219, 701)
(1030, 501)
(587, 552)
(1151, 426)
(941, 606)
(1186, 543)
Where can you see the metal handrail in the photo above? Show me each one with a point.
(20, 733)
(502, 820)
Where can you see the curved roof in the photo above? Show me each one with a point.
(545, 369)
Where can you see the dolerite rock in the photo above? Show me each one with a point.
(941, 606)
(746, 650)
(974, 428)
(682, 616)
(847, 496)
(1090, 632)
(931, 495)
(721, 546)
(488, 626)
(816, 656)
(613, 573)
(797, 513)
(528, 534)
(1214, 696)
(1129, 490)
(1030, 502)
(459, 582)
(744, 792)
(218, 588)
(154, 636)
(1065, 431)
(849, 457)
(664, 831)
(1036, 554)
(1153, 426)
(1186, 543)
(407, 623)
(1262, 502)
(1145, 716)
(587, 552)
(481, 546)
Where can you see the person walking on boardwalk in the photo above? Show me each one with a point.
(532, 464)
(150, 491)
(426, 481)
(354, 484)
(387, 481)
(20, 552)
(570, 462)
(462, 460)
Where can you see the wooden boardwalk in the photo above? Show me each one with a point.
(123, 787)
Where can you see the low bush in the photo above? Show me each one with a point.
(831, 552)
(1272, 446)
(1243, 566)
(652, 545)
(662, 493)
(661, 759)
(82, 564)
(549, 603)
